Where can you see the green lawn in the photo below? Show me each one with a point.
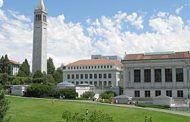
(42, 110)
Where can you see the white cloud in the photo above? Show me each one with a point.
(1, 3)
(68, 41)
(178, 10)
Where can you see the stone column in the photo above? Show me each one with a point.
(174, 77)
(142, 77)
(152, 77)
(163, 77)
(185, 76)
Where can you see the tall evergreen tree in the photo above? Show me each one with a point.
(58, 75)
(1, 64)
(3, 106)
(24, 70)
(50, 66)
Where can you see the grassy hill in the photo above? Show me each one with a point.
(43, 110)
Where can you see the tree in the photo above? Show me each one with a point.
(49, 78)
(24, 70)
(50, 66)
(5, 66)
(58, 75)
(88, 94)
(38, 90)
(107, 95)
(38, 74)
(3, 106)
(1, 64)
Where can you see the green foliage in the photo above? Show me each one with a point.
(152, 106)
(88, 94)
(24, 70)
(95, 116)
(58, 75)
(38, 74)
(3, 106)
(38, 90)
(5, 66)
(67, 93)
(49, 78)
(21, 80)
(50, 66)
(4, 79)
(107, 95)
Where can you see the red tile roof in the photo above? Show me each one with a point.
(95, 62)
(153, 56)
(14, 62)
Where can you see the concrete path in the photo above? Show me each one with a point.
(119, 105)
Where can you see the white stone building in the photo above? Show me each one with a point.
(39, 61)
(154, 74)
(102, 73)
(14, 67)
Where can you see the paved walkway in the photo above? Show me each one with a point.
(122, 105)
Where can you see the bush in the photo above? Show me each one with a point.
(152, 106)
(3, 106)
(88, 94)
(107, 95)
(67, 93)
(95, 116)
(38, 90)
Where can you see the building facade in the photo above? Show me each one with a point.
(39, 61)
(102, 73)
(14, 67)
(150, 75)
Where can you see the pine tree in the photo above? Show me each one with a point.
(50, 66)
(24, 70)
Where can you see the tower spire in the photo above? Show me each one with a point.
(41, 5)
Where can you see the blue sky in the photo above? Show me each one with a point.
(80, 28)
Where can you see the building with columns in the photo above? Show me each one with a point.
(39, 61)
(102, 73)
(155, 74)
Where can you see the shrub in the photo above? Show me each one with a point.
(107, 95)
(88, 94)
(38, 90)
(67, 93)
(152, 106)
(3, 106)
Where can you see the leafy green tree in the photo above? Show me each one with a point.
(5, 66)
(49, 78)
(50, 66)
(107, 95)
(3, 106)
(38, 90)
(38, 74)
(1, 64)
(58, 75)
(24, 70)
(88, 94)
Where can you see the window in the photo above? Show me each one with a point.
(100, 75)
(105, 75)
(100, 83)
(157, 93)
(137, 75)
(86, 76)
(168, 75)
(86, 82)
(147, 75)
(179, 75)
(158, 75)
(77, 83)
(90, 82)
(38, 17)
(73, 76)
(81, 82)
(44, 18)
(68, 76)
(81, 76)
(169, 93)
(105, 83)
(95, 83)
(77, 76)
(109, 76)
(137, 93)
(95, 76)
(108, 66)
(110, 83)
(90, 76)
(179, 93)
(147, 93)
(111, 66)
